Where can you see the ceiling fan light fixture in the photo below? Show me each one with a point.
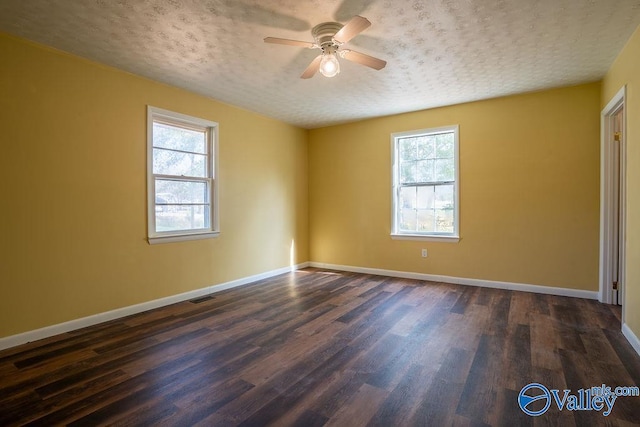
(329, 37)
(329, 66)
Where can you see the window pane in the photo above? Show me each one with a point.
(408, 197)
(167, 162)
(445, 170)
(407, 172)
(177, 138)
(426, 147)
(407, 148)
(424, 171)
(181, 192)
(444, 145)
(444, 221)
(444, 197)
(426, 220)
(426, 196)
(174, 218)
(408, 219)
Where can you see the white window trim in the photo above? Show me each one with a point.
(154, 237)
(434, 237)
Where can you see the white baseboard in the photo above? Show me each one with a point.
(566, 292)
(631, 337)
(60, 328)
(15, 340)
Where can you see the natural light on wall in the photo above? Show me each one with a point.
(292, 255)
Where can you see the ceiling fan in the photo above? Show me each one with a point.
(329, 38)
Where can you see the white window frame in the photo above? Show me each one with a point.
(396, 234)
(211, 129)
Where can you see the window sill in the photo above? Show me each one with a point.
(426, 238)
(182, 237)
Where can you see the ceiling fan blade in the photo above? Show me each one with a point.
(355, 26)
(361, 58)
(288, 42)
(349, 8)
(312, 68)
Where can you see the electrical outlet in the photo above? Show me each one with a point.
(424, 253)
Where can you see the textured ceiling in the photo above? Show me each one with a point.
(439, 52)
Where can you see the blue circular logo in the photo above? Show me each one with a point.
(537, 393)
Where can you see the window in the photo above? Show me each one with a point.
(181, 177)
(425, 184)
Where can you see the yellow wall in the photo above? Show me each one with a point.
(73, 199)
(626, 70)
(529, 191)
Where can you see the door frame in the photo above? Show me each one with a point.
(607, 199)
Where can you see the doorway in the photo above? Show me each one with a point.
(613, 200)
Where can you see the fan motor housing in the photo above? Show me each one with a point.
(323, 33)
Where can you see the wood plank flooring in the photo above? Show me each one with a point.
(322, 348)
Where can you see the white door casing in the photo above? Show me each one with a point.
(612, 201)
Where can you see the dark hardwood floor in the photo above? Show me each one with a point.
(317, 348)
